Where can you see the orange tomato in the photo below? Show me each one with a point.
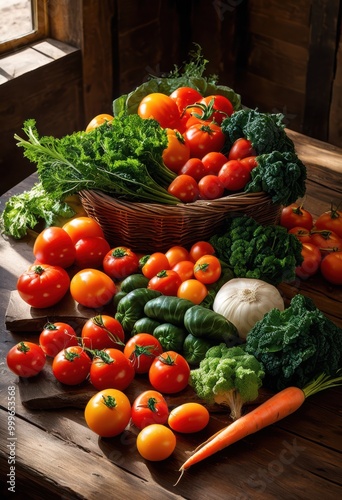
(98, 120)
(82, 227)
(92, 288)
(193, 290)
(156, 262)
(188, 417)
(184, 269)
(176, 254)
(207, 269)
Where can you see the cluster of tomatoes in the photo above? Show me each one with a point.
(321, 241)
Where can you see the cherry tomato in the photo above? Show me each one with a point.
(120, 262)
(201, 248)
(90, 252)
(184, 269)
(207, 269)
(26, 359)
(102, 331)
(295, 215)
(141, 349)
(54, 246)
(165, 282)
(155, 263)
(311, 263)
(331, 268)
(71, 365)
(213, 162)
(301, 233)
(108, 412)
(111, 369)
(57, 336)
(204, 138)
(193, 290)
(43, 285)
(175, 254)
(150, 407)
(250, 162)
(185, 188)
(220, 107)
(177, 152)
(189, 417)
(99, 120)
(327, 241)
(331, 220)
(161, 108)
(210, 187)
(241, 148)
(156, 442)
(193, 167)
(234, 175)
(92, 288)
(82, 227)
(169, 373)
(184, 96)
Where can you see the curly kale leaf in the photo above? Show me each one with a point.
(295, 345)
(252, 250)
(281, 175)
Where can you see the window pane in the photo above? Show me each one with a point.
(16, 19)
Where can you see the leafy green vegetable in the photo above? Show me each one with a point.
(281, 175)
(24, 211)
(264, 130)
(295, 345)
(268, 253)
(228, 376)
(191, 75)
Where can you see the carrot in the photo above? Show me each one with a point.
(271, 411)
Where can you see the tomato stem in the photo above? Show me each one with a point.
(109, 401)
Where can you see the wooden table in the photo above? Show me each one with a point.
(56, 456)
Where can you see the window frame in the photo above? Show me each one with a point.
(40, 30)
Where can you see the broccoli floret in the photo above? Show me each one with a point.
(228, 376)
(296, 344)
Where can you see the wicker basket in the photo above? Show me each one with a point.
(147, 227)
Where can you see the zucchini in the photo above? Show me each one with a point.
(134, 281)
(205, 323)
(145, 325)
(170, 336)
(168, 309)
(131, 307)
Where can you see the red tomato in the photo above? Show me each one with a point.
(101, 332)
(57, 336)
(176, 254)
(161, 108)
(43, 285)
(234, 175)
(150, 407)
(327, 241)
(210, 187)
(250, 162)
(213, 162)
(207, 269)
(90, 251)
(120, 262)
(188, 418)
(311, 263)
(166, 282)
(99, 120)
(193, 167)
(82, 227)
(54, 246)
(177, 152)
(301, 233)
(156, 442)
(241, 148)
(92, 288)
(331, 220)
(169, 373)
(219, 107)
(108, 413)
(71, 366)
(156, 262)
(295, 215)
(201, 248)
(141, 349)
(193, 290)
(184, 269)
(110, 369)
(204, 138)
(185, 188)
(331, 268)
(26, 359)
(184, 96)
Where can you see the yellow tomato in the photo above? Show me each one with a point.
(156, 442)
(98, 120)
(193, 290)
